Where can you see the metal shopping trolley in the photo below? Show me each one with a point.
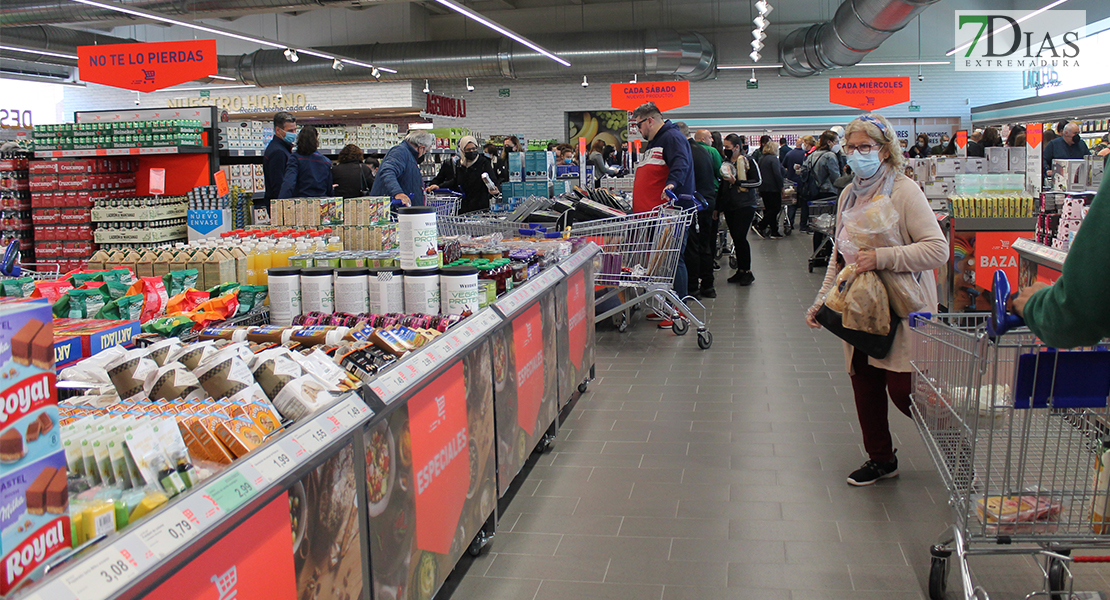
(1016, 430)
(822, 221)
(446, 202)
(12, 267)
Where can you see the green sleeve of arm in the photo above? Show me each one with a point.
(1074, 312)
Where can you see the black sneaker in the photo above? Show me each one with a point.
(716, 266)
(872, 471)
(708, 293)
(742, 277)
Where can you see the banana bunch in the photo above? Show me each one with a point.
(590, 127)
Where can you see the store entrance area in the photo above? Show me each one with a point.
(688, 475)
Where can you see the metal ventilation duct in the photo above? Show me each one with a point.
(46, 12)
(858, 27)
(51, 39)
(686, 55)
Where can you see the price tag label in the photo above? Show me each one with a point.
(231, 491)
(200, 509)
(107, 571)
(351, 412)
(273, 464)
(165, 533)
(315, 435)
(252, 475)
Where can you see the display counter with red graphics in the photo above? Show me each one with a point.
(379, 494)
(979, 248)
(1037, 262)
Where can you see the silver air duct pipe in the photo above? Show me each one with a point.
(51, 39)
(45, 12)
(858, 27)
(686, 55)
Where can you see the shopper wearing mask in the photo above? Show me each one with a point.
(511, 144)
(823, 167)
(468, 177)
(308, 173)
(700, 248)
(352, 177)
(874, 155)
(374, 165)
(276, 156)
(758, 152)
(597, 161)
(399, 176)
(796, 157)
(975, 145)
(939, 149)
(566, 155)
(771, 190)
(784, 149)
(736, 205)
(921, 148)
(1067, 146)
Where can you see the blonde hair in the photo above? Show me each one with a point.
(810, 141)
(880, 130)
(770, 148)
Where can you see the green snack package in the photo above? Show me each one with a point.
(251, 297)
(18, 288)
(223, 289)
(116, 290)
(127, 308)
(179, 281)
(80, 279)
(81, 304)
(119, 276)
(61, 307)
(168, 326)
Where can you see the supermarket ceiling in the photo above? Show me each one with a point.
(426, 40)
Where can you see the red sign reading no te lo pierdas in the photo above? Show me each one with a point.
(147, 67)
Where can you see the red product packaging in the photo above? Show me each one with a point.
(44, 183)
(44, 167)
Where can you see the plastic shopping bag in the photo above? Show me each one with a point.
(837, 297)
(905, 292)
(871, 224)
(868, 306)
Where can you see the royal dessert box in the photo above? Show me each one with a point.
(34, 502)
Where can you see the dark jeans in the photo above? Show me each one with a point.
(799, 207)
(680, 270)
(739, 221)
(772, 206)
(699, 252)
(871, 386)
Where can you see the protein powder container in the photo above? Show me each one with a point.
(317, 291)
(459, 291)
(387, 290)
(419, 238)
(352, 290)
(285, 294)
(422, 292)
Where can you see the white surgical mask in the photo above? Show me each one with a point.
(836, 148)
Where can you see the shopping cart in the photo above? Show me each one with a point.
(446, 202)
(1016, 430)
(822, 221)
(785, 226)
(11, 267)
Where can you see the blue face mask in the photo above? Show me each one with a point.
(864, 165)
(569, 161)
(291, 137)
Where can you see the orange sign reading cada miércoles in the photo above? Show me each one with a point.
(869, 93)
(667, 95)
(147, 67)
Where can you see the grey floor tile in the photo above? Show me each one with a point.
(567, 568)
(741, 551)
(640, 475)
(675, 528)
(567, 590)
(495, 588)
(539, 544)
(793, 577)
(597, 525)
(633, 569)
(606, 547)
(672, 592)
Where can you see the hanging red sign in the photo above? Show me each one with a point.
(667, 95)
(445, 107)
(147, 67)
(440, 458)
(869, 93)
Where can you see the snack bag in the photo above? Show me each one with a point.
(836, 299)
(178, 281)
(223, 288)
(216, 309)
(128, 308)
(18, 288)
(868, 306)
(51, 290)
(186, 301)
(168, 326)
(80, 303)
(116, 289)
(906, 295)
(251, 297)
(80, 278)
(154, 297)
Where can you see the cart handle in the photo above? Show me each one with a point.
(1000, 321)
(10, 265)
(686, 201)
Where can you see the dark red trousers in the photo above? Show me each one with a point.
(871, 386)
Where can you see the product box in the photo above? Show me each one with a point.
(208, 223)
(938, 188)
(34, 524)
(516, 167)
(945, 166)
(1069, 175)
(974, 166)
(1017, 160)
(1096, 165)
(998, 159)
(67, 350)
(98, 334)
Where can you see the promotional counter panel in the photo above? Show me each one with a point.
(979, 248)
(380, 494)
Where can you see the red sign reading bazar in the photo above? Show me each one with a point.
(869, 93)
(147, 67)
(667, 95)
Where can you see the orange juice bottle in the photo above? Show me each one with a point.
(263, 262)
(252, 263)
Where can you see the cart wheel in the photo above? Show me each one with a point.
(705, 339)
(811, 265)
(622, 323)
(582, 387)
(732, 262)
(680, 326)
(1057, 580)
(938, 579)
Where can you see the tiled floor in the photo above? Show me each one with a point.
(713, 475)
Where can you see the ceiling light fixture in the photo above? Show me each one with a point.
(210, 87)
(375, 73)
(153, 16)
(759, 35)
(469, 87)
(337, 64)
(760, 22)
(633, 79)
(470, 14)
(427, 89)
(904, 63)
(42, 52)
(737, 67)
(291, 55)
(757, 45)
(764, 7)
(755, 56)
(1008, 25)
(585, 83)
(222, 78)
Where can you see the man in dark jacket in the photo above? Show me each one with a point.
(1066, 147)
(699, 250)
(666, 165)
(276, 156)
(784, 149)
(399, 176)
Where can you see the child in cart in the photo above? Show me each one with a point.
(1073, 312)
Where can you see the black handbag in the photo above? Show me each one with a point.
(873, 345)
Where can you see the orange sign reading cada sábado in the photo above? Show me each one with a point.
(869, 93)
(147, 67)
(667, 95)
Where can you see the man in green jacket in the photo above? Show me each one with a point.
(705, 138)
(1074, 312)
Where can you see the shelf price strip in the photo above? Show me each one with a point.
(109, 571)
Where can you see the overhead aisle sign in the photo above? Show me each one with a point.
(147, 67)
(869, 93)
(667, 95)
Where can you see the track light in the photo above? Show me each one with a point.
(585, 83)
(759, 35)
(376, 73)
(291, 55)
(755, 56)
(757, 45)
(427, 88)
(761, 22)
(469, 87)
(337, 65)
(633, 78)
(764, 7)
